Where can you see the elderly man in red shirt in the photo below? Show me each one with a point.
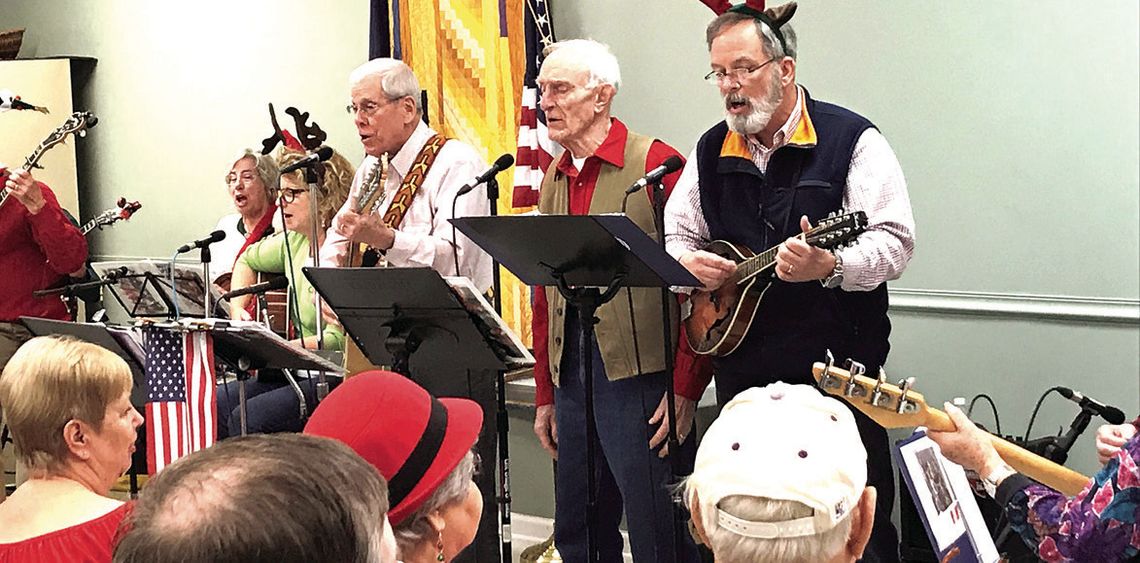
(578, 82)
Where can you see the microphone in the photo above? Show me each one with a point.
(1110, 414)
(271, 285)
(671, 164)
(502, 163)
(322, 154)
(202, 242)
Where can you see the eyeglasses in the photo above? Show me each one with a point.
(368, 107)
(246, 177)
(289, 195)
(737, 75)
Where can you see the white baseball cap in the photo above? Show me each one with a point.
(782, 442)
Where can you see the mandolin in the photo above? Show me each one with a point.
(900, 406)
(720, 318)
(78, 123)
(121, 212)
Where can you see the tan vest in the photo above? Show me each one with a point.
(623, 355)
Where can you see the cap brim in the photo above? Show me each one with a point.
(464, 422)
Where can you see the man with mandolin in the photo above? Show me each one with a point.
(779, 291)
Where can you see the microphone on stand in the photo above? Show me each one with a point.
(271, 285)
(670, 165)
(321, 154)
(502, 163)
(1110, 414)
(202, 242)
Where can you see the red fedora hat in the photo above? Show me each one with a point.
(412, 438)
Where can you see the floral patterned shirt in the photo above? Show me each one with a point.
(1099, 524)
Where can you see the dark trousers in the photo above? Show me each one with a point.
(629, 477)
(884, 544)
(271, 405)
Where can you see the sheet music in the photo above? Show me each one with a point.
(131, 287)
(507, 345)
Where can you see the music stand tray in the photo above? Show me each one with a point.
(584, 250)
(409, 319)
(143, 287)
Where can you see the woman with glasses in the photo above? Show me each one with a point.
(272, 404)
(252, 185)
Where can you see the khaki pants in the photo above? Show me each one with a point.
(12, 336)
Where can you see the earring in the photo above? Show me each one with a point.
(439, 546)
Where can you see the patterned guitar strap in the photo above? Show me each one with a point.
(409, 187)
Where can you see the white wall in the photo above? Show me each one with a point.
(181, 87)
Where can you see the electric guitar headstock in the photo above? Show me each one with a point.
(890, 405)
(899, 406)
(837, 229)
(123, 211)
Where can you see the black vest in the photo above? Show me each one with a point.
(796, 322)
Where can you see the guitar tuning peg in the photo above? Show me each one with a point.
(828, 380)
(856, 369)
(876, 398)
(904, 387)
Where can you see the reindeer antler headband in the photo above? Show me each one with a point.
(774, 18)
(312, 136)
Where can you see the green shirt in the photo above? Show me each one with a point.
(269, 256)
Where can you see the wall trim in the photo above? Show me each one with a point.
(1019, 306)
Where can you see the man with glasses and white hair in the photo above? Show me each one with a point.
(577, 84)
(778, 163)
(795, 496)
(407, 226)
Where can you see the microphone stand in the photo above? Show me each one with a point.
(205, 255)
(314, 252)
(501, 419)
(658, 191)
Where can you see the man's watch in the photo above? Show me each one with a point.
(995, 477)
(834, 280)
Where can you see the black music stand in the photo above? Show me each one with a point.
(410, 319)
(393, 313)
(588, 258)
(122, 343)
(247, 346)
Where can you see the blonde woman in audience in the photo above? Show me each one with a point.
(385, 418)
(69, 410)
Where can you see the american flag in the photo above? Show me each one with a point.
(535, 149)
(181, 394)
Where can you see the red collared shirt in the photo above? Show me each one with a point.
(691, 373)
(36, 252)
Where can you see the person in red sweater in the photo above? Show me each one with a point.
(40, 248)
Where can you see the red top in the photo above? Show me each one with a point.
(89, 542)
(691, 373)
(36, 252)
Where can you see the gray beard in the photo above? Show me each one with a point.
(755, 121)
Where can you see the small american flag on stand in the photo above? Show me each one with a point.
(181, 394)
(535, 149)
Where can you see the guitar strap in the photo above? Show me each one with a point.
(409, 187)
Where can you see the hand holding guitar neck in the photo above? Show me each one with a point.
(899, 406)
